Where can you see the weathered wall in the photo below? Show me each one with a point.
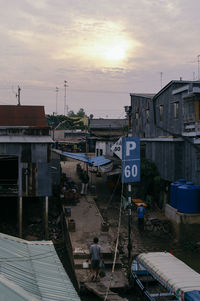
(34, 177)
(105, 146)
(179, 158)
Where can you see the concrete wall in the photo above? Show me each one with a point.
(186, 226)
(105, 146)
(34, 178)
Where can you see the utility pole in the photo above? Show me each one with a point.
(198, 62)
(129, 246)
(65, 96)
(57, 89)
(18, 96)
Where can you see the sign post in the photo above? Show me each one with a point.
(130, 173)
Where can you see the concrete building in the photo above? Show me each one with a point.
(105, 132)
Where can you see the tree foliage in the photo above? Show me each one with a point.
(81, 113)
(63, 122)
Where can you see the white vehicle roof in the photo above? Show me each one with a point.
(171, 272)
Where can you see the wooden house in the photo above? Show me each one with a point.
(25, 148)
(168, 125)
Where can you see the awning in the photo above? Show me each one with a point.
(171, 272)
(93, 161)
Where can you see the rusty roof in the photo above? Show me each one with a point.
(11, 115)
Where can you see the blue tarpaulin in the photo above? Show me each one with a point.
(93, 161)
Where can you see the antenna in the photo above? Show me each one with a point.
(198, 62)
(57, 89)
(65, 101)
(18, 96)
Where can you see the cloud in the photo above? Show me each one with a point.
(109, 44)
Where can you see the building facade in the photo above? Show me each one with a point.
(168, 125)
(105, 132)
(25, 156)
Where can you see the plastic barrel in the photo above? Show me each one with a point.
(173, 192)
(188, 198)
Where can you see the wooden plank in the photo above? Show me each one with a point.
(100, 290)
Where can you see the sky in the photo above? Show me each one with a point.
(104, 49)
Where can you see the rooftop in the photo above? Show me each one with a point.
(11, 115)
(33, 271)
(108, 123)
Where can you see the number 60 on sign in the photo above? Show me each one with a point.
(131, 171)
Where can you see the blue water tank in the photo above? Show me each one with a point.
(188, 198)
(173, 192)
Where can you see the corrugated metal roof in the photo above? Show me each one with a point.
(108, 123)
(35, 269)
(145, 95)
(22, 116)
(26, 139)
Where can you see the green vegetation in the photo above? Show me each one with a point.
(70, 122)
(151, 185)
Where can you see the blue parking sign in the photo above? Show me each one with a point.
(130, 159)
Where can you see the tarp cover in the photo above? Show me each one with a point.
(94, 161)
(174, 274)
(192, 296)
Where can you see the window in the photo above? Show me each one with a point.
(161, 112)
(176, 104)
(136, 115)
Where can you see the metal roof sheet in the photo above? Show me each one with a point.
(26, 139)
(108, 123)
(11, 115)
(34, 270)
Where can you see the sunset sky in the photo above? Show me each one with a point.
(104, 49)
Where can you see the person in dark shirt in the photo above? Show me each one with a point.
(84, 183)
(141, 212)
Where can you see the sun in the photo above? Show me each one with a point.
(110, 50)
(99, 44)
(113, 51)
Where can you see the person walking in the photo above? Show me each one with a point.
(84, 183)
(141, 212)
(95, 258)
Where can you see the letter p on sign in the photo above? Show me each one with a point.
(130, 146)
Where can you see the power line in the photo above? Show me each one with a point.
(198, 62)
(36, 88)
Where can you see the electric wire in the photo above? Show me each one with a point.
(113, 192)
(116, 246)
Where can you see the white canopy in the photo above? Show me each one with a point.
(174, 274)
